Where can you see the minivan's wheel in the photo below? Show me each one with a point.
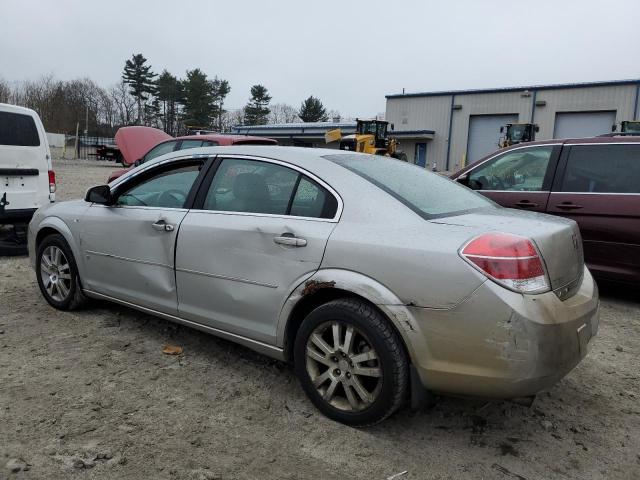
(57, 274)
(351, 362)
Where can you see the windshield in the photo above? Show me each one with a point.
(428, 194)
(517, 132)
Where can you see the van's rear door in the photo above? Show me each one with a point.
(24, 162)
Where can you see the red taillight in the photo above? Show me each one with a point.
(52, 181)
(508, 259)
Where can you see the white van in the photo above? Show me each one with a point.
(27, 180)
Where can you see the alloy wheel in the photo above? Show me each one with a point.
(343, 366)
(55, 272)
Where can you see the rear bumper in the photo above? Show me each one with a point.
(18, 216)
(501, 344)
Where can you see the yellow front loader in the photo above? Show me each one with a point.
(371, 136)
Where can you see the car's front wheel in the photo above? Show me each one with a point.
(57, 274)
(351, 362)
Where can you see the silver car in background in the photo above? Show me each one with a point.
(379, 280)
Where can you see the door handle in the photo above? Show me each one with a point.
(568, 206)
(162, 226)
(290, 240)
(526, 204)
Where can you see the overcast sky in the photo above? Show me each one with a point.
(349, 54)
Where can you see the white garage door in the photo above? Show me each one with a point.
(484, 134)
(583, 124)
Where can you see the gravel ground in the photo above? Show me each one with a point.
(90, 394)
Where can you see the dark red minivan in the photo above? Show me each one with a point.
(594, 181)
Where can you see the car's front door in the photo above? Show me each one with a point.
(520, 178)
(258, 231)
(129, 247)
(598, 186)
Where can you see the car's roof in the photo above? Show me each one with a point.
(7, 107)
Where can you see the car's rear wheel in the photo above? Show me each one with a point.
(57, 274)
(351, 362)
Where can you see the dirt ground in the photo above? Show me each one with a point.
(90, 394)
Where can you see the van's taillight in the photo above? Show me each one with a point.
(510, 260)
(52, 181)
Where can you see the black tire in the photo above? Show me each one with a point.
(74, 299)
(391, 358)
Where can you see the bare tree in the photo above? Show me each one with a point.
(283, 113)
(5, 91)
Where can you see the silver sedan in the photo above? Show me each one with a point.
(380, 281)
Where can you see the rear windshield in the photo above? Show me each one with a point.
(428, 194)
(17, 129)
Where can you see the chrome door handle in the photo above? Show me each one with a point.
(163, 226)
(526, 204)
(568, 206)
(290, 240)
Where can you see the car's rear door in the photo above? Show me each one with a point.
(519, 178)
(129, 247)
(257, 231)
(598, 186)
(24, 165)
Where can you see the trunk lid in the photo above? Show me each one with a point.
(558, 239)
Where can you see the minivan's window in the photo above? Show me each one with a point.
(18, 129)
(603, 169)
(253, 186)
(428, 194)
(167, 189)
(518, 170)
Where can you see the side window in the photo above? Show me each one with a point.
(166, 189)
(18, 129)
(251, 186)
(603, 169)
(518, 170)
(190, 144)
(161, 149)
(210, 143)
(313, 200)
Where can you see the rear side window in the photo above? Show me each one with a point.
(253, 186)
(602, 169)
(428, 194)
(18, 129)
(190, 144)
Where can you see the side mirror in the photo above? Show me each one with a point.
(501, 129)
(100, 195)
(138, 162)
(392, 127)
(614, 127)
(537, 128)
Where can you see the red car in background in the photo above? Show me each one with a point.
(594, 181)
(140, 144)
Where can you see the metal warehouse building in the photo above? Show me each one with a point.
(464, 125)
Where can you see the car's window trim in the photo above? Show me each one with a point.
(547, 181)
(208, 179)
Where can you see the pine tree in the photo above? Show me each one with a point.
(312, 110)
(200, 108)
(256, 112)
(169, 92)
(221, 89)
(138, 75)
